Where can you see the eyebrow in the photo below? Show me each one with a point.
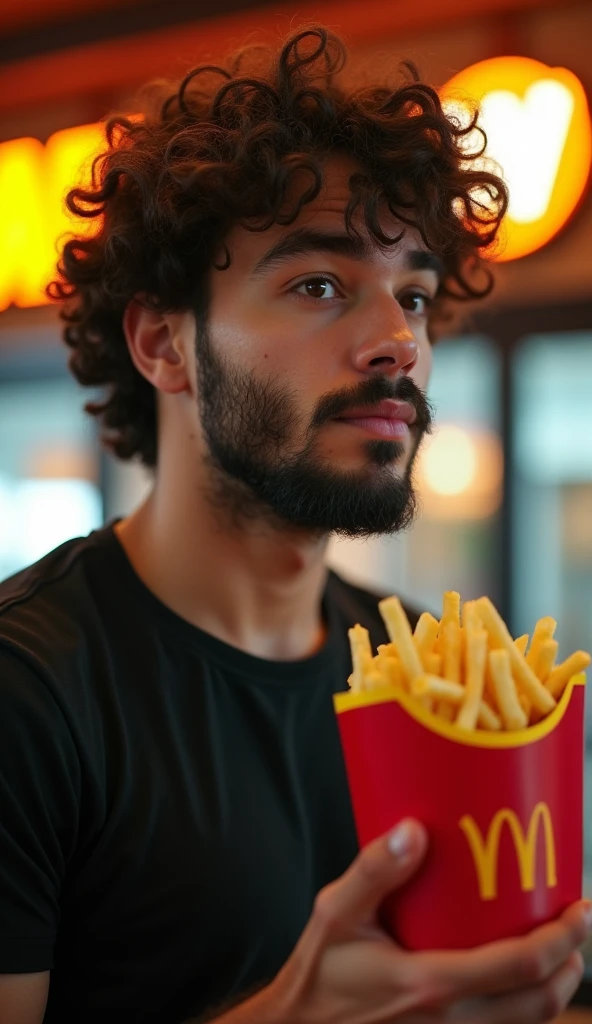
(304, 242)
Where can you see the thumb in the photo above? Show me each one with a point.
(382, 866)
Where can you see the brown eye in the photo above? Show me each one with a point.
(316, 288)
(416, 302)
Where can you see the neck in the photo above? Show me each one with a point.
(248, 583)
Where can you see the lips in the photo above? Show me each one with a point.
(388, 409)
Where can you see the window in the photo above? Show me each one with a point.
(552, 517)
(49, 488)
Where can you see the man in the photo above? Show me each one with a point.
(259, 295)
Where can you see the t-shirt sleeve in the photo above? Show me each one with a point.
(39, 803)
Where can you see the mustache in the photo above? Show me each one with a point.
(371, 391)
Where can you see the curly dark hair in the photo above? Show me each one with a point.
(221, 148)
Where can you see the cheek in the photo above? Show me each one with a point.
(245, 337)
(424, 366)
(288, 360)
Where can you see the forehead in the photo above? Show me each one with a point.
(326, 212)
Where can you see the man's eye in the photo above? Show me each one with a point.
(410, 302)
(317, 288)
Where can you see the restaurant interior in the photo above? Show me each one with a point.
(505, 480)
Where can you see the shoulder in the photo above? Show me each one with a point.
(49, 634)
(46, 608)
(357, 604)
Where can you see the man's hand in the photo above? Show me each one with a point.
(346, 970)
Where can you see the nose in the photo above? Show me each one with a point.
(385, 343)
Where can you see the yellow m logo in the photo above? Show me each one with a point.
(485, 851)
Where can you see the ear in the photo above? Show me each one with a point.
(158, 346)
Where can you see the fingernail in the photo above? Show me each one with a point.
(400, 841)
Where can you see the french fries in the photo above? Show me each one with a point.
(487, 718)
(361, 652)
(466, 668)
(513, 714)
(452, 651)
(399, 631)
(500, 639)
(387, 662)
(434, 686)
(425, 635)
(546, 659)
(476, 654)
(544, 630)
(560, 676)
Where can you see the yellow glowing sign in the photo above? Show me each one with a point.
(485, 850)
(34, 180)
(23, 237)
(538, 129)
(536, 119)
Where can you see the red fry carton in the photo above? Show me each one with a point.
(503, 811)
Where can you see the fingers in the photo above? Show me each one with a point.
(537, 1004)
(510, 963)
(379, 868)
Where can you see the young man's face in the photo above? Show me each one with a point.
(311, 371)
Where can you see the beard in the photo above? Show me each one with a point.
(263, 466)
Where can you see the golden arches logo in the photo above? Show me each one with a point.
(485, 850)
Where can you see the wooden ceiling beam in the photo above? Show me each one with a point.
(118, 64)
(16, 15)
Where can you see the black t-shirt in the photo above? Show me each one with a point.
(169, 805)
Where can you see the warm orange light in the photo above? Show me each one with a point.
(536, 118)
(459, 473)
(33, 182)
(538, 128)
(23, 234)
(450, 462)
(68, 159)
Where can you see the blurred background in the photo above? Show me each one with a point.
(506, 480)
